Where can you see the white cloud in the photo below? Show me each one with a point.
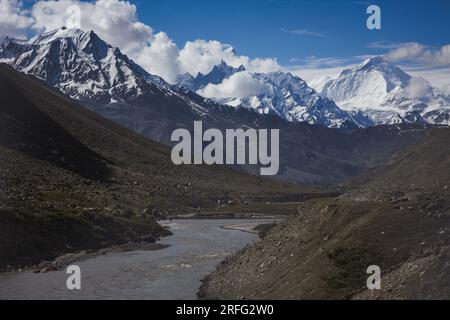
(417, 60)
(384, 45)
(117, 23)
(417, 52)
(202, 56)
(407, 51)
(438, 77)
(114, 21)
(316, 77)
(160, 57)
(304, 32)
(164, 58)
(443, 55)
(263, 65)
(420, 61)
(417, 88)
(239, 85)
(14, 20)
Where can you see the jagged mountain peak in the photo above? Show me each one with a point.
(80, 64)
(281, 93)
(371, 62)
(85, 41)
(387, 94)
(221, 67)
(84, 67)
(289, 97)
(225, 66)
(379, 67)
(380, 63)
(219, 72)
(61, 33)
(217, 75)
(82, 40)
(281, 78)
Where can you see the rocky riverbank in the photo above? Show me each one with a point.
(323, 252)
(26, 240)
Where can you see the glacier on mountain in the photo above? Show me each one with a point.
(280, 93)
(85, 68)
(79, 64)
(388, 95)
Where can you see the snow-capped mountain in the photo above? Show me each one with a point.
(84, 67)
(219, 73)
(80, 65)
(102, 79)
(388, 95)
(292, 99)
(282, 94)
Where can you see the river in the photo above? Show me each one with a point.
(174, 272)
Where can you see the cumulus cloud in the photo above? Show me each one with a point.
(438, 77)
(202, 56)
(417, 88)
(160, 57)
(443, 55)
(419, 53)
(116, 22)
(239, 85)
(14, 20)
(262, 65)
(406, 51)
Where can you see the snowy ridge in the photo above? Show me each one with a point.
(285, 95)
(292, 99)
(388, 95)
(219, 73)
(82, 65)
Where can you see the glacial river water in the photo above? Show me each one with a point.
(196, 247)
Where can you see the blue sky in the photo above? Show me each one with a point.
(310, 38)
(253, 27)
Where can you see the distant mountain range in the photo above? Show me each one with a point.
(376, 92)
(79, 64)
(72, 180)
(282, 94)
(85, 68)
(219, 73)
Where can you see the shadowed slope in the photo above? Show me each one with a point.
(72, 180)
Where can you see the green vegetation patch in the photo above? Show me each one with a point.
(351, 266)
(264, 229)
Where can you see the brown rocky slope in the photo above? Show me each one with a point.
(72, 180)
(398, 219)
